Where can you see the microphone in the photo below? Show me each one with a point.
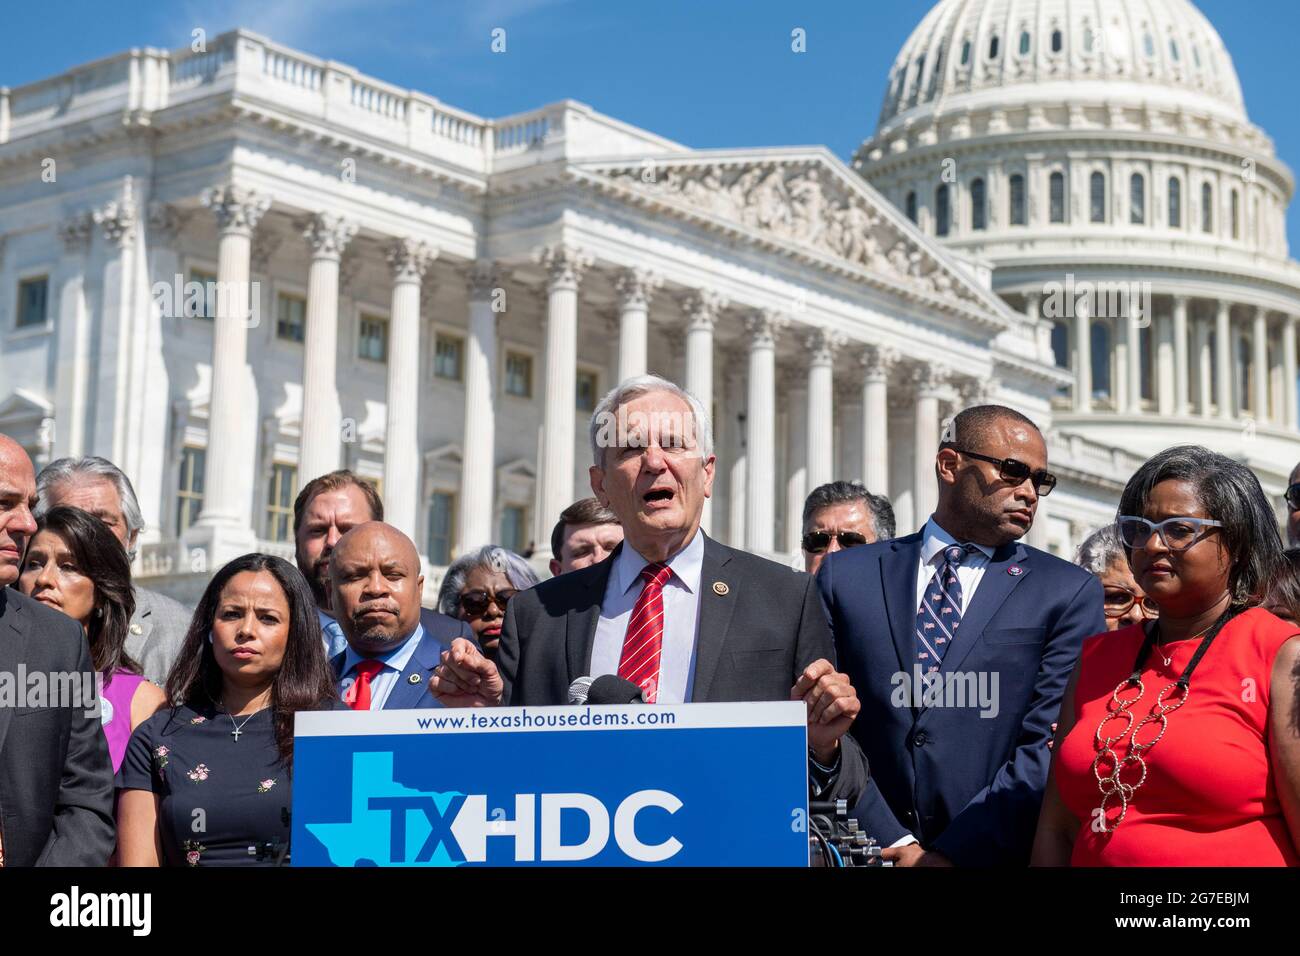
(579, 689)
(611, 689)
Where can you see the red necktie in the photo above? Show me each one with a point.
(366, 670)
(639, 662)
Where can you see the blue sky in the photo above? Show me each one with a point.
(706, 73)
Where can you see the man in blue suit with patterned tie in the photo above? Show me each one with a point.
(960, 641)
(376, 584)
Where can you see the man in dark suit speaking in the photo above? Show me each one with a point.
(671, 610)
(961, 641)
(56, 779)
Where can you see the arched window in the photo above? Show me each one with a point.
(1100, 360)
(1097, 190)
(1207, 208)
(942, 214)
(978, 211)
(1061, 344)
(1056, 197)
(1017, 197)
(911, 205)
(1173, 49)
(993, 47)
(1236, 214)
(1175, 203)
(965, 52)
(1058, 41)
(1137, 199)
(1025, 42)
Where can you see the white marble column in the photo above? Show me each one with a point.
(635, 287)
(327, 236)
(876, 363)
(1289, 397)
(1165, 390)
(232, 440)
(408, 259)
(760, 492)
(1224, 365)
(927, 379)
(1204, 367)
(118, 334)
(1182, 359)
(478, 459)
(565, 266)
(1133, 373)
(1082, 329)
(737, 468)
(822, 344)
(72, 372)
(702, 309)
(1259, 364)
(796, 402)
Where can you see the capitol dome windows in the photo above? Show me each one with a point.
(1089, 39)
(1175, 203)
(1056, 197)
(1207, 208)
(965, 52)
(910, 205)
(1137, 199)
(1026, 43)
(1149, 45)
(993, 47)
(1097, 197)
(942, 211)
(1016, 195)
(978, 208)
(1236, 214)
(1173, 49)
(1058, 41)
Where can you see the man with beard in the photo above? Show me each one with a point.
(375, 587)
(326, 509)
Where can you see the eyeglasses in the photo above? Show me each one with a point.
(475, 603)
(1176, 534)
(815, 542)
(1292, 496)
(1009, 469)
(1117, 601)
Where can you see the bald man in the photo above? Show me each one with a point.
(393, 644)
(56, 779)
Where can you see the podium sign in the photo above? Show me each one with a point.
(626, 785)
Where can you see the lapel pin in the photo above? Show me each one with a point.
(720, 587)
(413, 679)
(137, 629)
(1015, 570)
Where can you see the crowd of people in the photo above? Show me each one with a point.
(975, 701)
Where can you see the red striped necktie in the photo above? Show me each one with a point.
(639, 662)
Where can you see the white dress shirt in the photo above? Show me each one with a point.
(394, 661)
(681, 617)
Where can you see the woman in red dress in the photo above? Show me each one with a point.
(1179, 738)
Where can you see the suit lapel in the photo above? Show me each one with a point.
(714, 616)
(898, 571)
(582, 617)
(408, 693)
(13, 641)
(994, 588)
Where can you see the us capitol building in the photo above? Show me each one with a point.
(1064, 208)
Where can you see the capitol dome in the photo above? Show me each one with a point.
(966, 53)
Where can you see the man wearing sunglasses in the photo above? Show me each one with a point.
(1292, 499)
(839, 515)
(960, 640)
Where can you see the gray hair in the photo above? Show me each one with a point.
(518, 572)
(845, 492)
(606, 412)
(96, 469)
(1100, 550)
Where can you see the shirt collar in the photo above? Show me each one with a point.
(396, 659)
(687, 565)
(934, 539)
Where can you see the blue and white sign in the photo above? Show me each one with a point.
(676, 785)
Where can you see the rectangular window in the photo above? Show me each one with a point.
(1056, 197)
(514, 526)
(279, 502)
(201, 295)
(290, 317)
(442, 526)
(33, 299)
(449, 357)
(189, 487)
(372, 339)
(586, 391)
(519, 375)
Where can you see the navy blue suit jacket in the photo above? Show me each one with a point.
(966, 785)
(412, 688)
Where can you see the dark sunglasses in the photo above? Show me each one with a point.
(1016, 471)
(1292, 496)
(1118, 600)
(475, 603)
(815, 542)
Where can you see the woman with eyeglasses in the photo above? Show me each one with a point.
(477, 587)
(1102, 554)
(1177, 743)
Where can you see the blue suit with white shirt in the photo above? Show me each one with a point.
(403, 683)
(963, 769)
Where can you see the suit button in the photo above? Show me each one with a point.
(920, 739)
(910, 817)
